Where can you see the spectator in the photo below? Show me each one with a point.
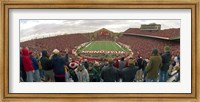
(128, 74)
(92, 74)
(22, 71)
(177, 67)
(82, 73)
(98, 69)
(27, 64)
(153, 66)
(166, 58)
(145, 61)
(40, 67)
(86, 64)
(36, 67)
(72, 74)
(110, 73)
(58, 66)
(47, 67)
(140, 65)
(122, 65)
(66, 56)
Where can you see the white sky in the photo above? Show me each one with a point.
(31, 29)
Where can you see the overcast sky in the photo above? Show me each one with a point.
(30, 29)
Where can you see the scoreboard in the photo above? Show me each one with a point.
(151, 26)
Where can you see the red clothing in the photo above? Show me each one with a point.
(26, 61)
(116, 64)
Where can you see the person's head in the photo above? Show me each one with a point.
(80, 66)
(44, 53)
(110, 61)
(27, 48)
(25, 52)
(122, 59)
(90, 67)
(131, 62)
(70, 59)
(155, 52)
(96, 64)
(166, 49)
(56, 51)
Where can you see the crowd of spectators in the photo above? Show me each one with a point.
(60, 42)
(144, 45)
(54, 67)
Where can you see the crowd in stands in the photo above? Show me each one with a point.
(60, 42)
(57, 67)
(167, 33)
(144, 45)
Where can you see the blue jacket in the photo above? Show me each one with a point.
(58, 64)
(34, 63)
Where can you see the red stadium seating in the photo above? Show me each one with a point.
(60, 42)
(144, 45)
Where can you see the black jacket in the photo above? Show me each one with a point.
(166, 58)
(110, 74)
(45, 62)
(58, 64)
(128, 74)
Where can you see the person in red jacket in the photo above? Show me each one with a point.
(27, 63)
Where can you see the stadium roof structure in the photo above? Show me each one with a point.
(103, 31)
(167, 34)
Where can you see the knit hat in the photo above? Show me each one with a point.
(166, 49)
(73, 65)
(56, 51)
(155, 51)
(80, 66)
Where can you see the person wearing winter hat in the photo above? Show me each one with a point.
(166, 60)
(110, 73)
(58, 64)
(82, 73)
(23, 75)
(27, 64)
(128, 73)
(153, 66)
(36, 67)
(71, 71)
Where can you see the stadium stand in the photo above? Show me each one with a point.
(60, 42)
